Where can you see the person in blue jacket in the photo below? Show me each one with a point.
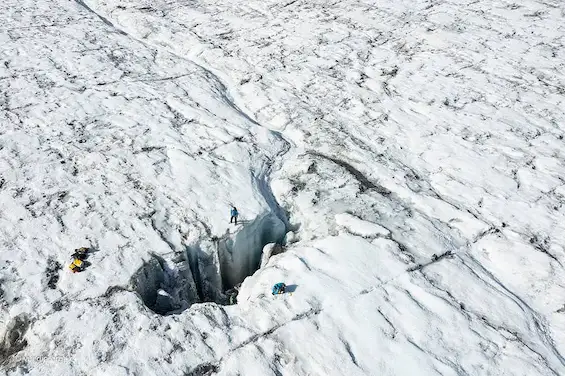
(234, 214)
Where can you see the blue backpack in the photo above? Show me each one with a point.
(279, 288)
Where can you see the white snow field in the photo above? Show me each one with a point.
(407, 157)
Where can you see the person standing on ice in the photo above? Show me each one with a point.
(234, 214)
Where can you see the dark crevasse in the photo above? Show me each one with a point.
(209, 270)
(240, 257)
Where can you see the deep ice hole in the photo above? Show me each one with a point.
(209, 271)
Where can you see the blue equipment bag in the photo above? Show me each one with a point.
(279, 288)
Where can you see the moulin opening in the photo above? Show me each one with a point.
(209, 271)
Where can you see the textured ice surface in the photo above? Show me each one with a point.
(414, 148)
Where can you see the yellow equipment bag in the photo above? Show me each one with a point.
(76, 264)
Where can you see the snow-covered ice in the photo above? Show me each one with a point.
(398, 164)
